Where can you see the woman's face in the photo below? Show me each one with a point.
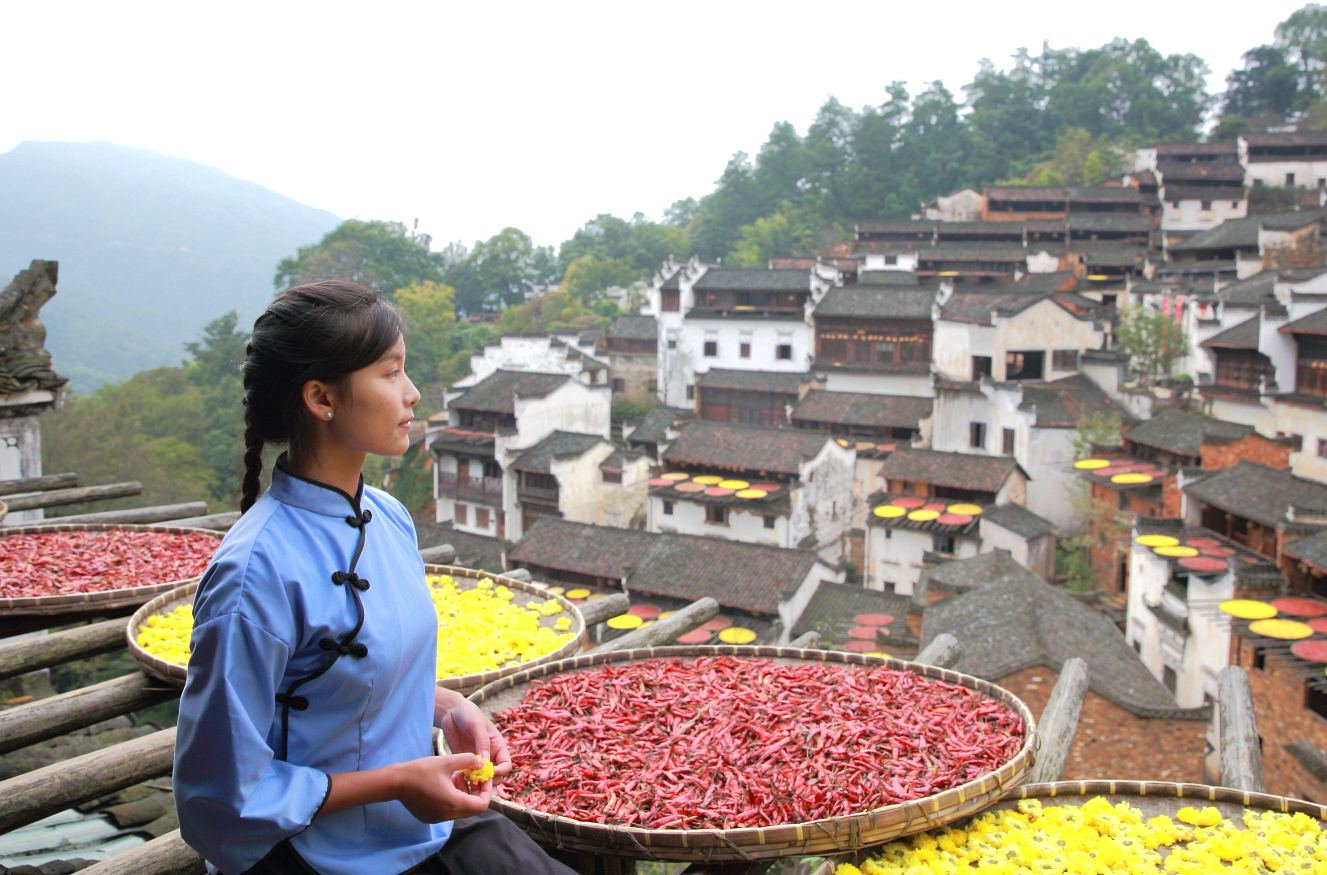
(377, 407)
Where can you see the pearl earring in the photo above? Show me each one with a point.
(327, 414)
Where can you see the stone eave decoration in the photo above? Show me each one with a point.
(26, 376)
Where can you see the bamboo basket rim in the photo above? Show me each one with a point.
(177, 674)
(825, 836)
(69, 603)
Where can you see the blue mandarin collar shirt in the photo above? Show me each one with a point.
(262, 609)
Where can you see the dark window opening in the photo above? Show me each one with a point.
(691, 393)
(717, 514)
(977, 435)
(981, 366)
(785, 351)
(943, 544)
(711, 348)
(670, 302)
(1315, 700)
(1025, 365)
(769, 521)
(1065, 359)
(612, 476)
(668, 508)
(1007, 441)
(745, 349)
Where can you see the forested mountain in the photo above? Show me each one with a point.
(151, 249)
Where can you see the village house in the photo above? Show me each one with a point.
(558, 353)
(490, 423)
(1016, 336)
(1018, 631)
(1035, 423)
(1200, 185)
(875, 338)
(656, 431)
(1240, 248)
(750, 397)
(783, 487)
(749, 319)
(1293, 160)
(579, 477)
(631, 346)
(759, 587)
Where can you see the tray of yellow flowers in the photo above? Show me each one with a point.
(489, 626)
(1113, 826)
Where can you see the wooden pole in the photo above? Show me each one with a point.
(664, 632)
(42, 792)
(441, 555)
(809, 641)
(155, 514)
(1055, 730)
(942, 652)
(57, 497)
(38, 484)
(29, 654)
(220, 522)
(164, 855)
(1241, 756)
(597, 611)
(519, 574)
(56, 715)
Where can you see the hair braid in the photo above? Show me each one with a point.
(253, 460)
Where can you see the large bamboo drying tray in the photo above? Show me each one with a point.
(82, 603)
(526, 593)
(1152, 798)
(827, 836)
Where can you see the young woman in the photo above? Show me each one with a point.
(305, 738)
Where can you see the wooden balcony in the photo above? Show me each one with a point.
(485, 490)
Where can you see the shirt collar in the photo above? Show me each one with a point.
(312, 495)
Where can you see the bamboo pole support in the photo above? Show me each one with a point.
(444, 554)
(664, 632)
(38, 484)
(597, 611)
(1059, 722)
(54, 716)
(137, 515)
(29, 654)
(220, 522)
(42, 792)
(164, 855)
(943, 652)
(1241, 755)
(57, 497)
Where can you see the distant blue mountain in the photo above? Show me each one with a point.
(151, 249)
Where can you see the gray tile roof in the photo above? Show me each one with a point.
(1259, 493)
(558, 445)
(472, 551)
(745, 577)
(1242, 336)
(860, 408)
(1250, 292)
(781, 382)
(1011, 620)
(1183, 432)
(1314, 323)
(1230, 234)
(1102, 194)
(1018, 520)
(745, 447)
(1042, 283)
(867, 302)
(1108, 222)
(653, 427)
(977, 307)
(1311, 549)
(753, 279)
(1187, 171)
(1007, 252)
(831, 610)
(1288, 138)
(1026, 193)
(634, 328)
(1171, 150)
(1062, 403)
(497, 392)
(959, 470)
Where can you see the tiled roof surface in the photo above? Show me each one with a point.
(897, 226)
(1183, 432)
(1062, 403)
(1026, 193)
(1242, 336)
(1258, 492)
(977, 307)
(740, 576)
(960, 470)
(1018, 519)
(1314, 323)
(634, 328)
(558, 445)
(1230, 234)
(472, 551)
(1042, 283)
(1311, 549)
(1012, 620)
(1007, 252)
(1181, 192)
(496, 393)
(782, 382)
(1178, 171)
(1251, 291)
(745, 447)
(868, 302)
(753, 279)
(1173, 150)
(860, 408)
(831, 610)
(1290, 138)
(653, 427)
(1012, 230)
(1108, 222)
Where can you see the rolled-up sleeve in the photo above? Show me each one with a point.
(235, 800)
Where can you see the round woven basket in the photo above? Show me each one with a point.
(1150, 797)
(4, 509)
(82, 602)
(526, 593)
(828, 836)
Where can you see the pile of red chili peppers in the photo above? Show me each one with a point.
(723, 742)
(63, 563)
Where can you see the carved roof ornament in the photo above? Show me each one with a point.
(25, 365)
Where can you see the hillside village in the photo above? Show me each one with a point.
(902, 426)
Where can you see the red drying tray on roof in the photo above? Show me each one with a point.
(1300, 607)
(1310, 651)
(1204, 564)
(1319, 625)
(908, 501)
(1202, 543)
(862, 633)
(873, 619)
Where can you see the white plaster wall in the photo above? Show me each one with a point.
(905, 262)
(894, 557)
(1049, 462)
(538, 354)
(954, 345)
(1208, 645)
(447, 512)
(1311, 423)
(1307, 173)
(570, 407)
(1148, 574)
(765, 337)
(791, 608)
(1190, 215)
(911, 385)
(823, 507)
(20, 456)
(580, 485)
(688, 518)
(993, 537)
(1244, 411)
(1043, 326)
(676, 367)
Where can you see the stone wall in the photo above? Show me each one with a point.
(1280, 709)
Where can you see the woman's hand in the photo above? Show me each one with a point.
(466, 730)
(433, 788)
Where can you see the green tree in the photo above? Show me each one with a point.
(429, 311)
(1266, 90)
(1078, 159)
(1006, 117)
(385, 255)
(794, 229)
(1153, 340)
(1304, 37)
(1097, 429)
(588, 276)
(732, 204)
(500, 272)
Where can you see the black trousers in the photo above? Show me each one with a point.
(486, 844)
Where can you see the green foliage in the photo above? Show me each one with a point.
(794, 228)
(500, 272)
(429, 310)
(588, 275)
(1096, 429)
(1153, 340)
(412, 479)
(1076, 567)
(385, 255)
(630, 412)
(1078, 159)
(550, 311)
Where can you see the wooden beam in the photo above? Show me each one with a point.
(38, 484)
(138, 515)
(164, 855)
(597, 611)
(42, 792)
(57, 497)
(664, 632)
(1059, 722)
(942, 652)
(54, 716)
(444, 554)
(1241, 757)
(29, 654)
(220, 522)
(519, 574)
(809, 641)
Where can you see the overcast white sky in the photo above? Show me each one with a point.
(472, 117)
